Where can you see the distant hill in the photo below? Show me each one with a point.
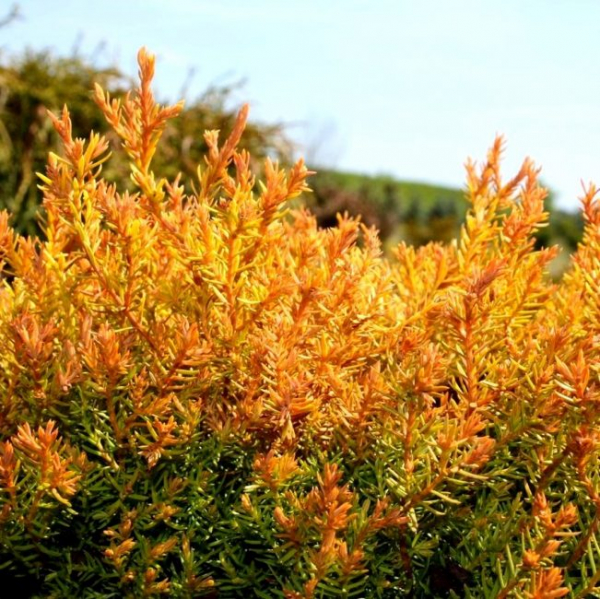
(400, 210)
(418, 213)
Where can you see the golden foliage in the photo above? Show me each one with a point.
(180, 317)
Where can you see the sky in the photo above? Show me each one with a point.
(403, 88)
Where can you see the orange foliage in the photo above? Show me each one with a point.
(173, 318)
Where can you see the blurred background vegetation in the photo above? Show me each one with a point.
(33, 82)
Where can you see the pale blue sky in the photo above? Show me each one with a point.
(408, 88)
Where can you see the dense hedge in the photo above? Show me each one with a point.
(200, 396)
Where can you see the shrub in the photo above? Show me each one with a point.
(200, 395)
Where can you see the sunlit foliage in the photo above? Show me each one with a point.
(199, 395)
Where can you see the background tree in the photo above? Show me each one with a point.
(35, 82)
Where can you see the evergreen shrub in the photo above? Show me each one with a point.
(204, 396)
